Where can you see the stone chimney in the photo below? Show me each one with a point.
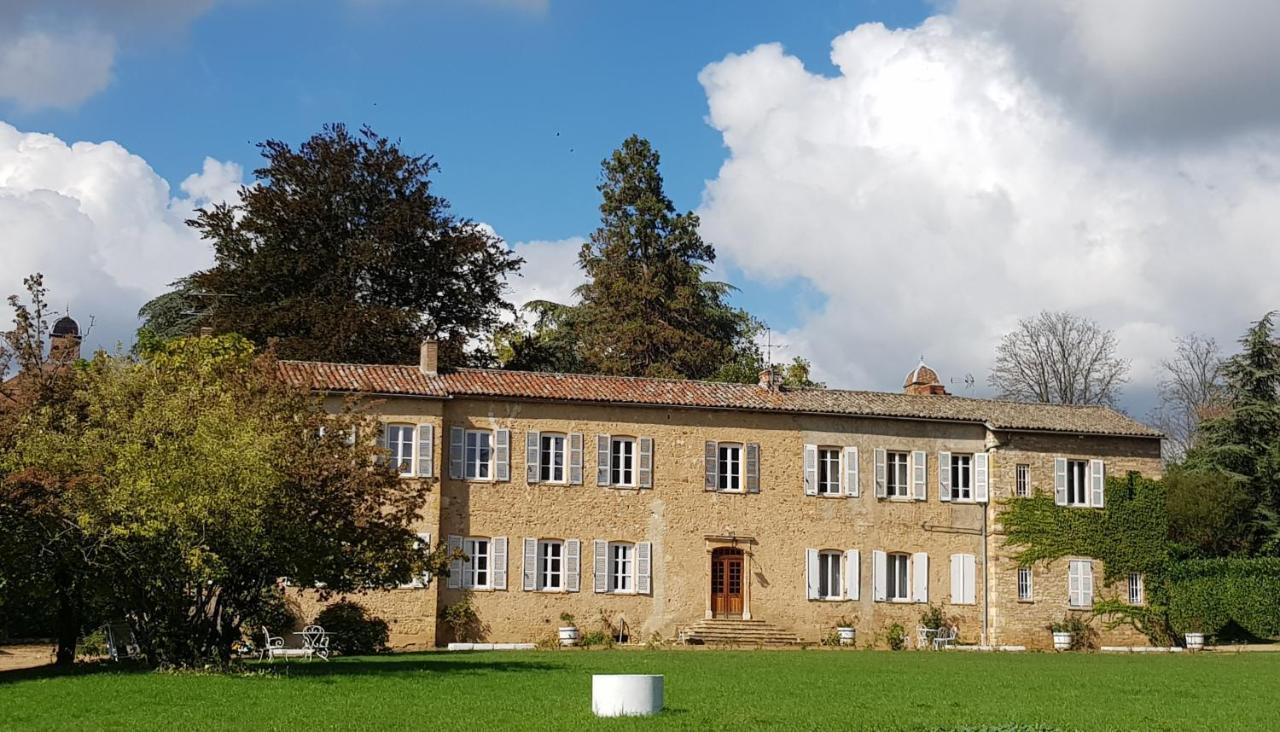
(767, 380)
(64, 341)
(429, 357)
(923, 380)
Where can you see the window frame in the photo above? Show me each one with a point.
(614, 575)
(957, 472)
(616, 456)
(468, 463)
(831, 486)
(1029, 594)
(545, 571)
(730, 481)
(832, 574)
(469, 544)
(891, 577)
(1022, 480)
(1136, 585)
(401, 462)
(546, 469)
(1085, 564)
(1082, 485)
(891, 488)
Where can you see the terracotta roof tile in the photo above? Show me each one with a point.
(409, 381)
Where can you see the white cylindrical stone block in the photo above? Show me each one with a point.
(626, 695)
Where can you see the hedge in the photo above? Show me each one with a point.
(1205, 595)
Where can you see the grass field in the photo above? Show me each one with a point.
(792, 690)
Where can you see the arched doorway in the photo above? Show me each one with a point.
(726, 582)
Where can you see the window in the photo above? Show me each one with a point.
(550, 565)
(898, 577)
(1080, 583)
(829, 471)
(400, 439)
(829, 587)
(622, 461)
(730, 473)
(479, 455)
(551, 460)
(961, 477)
(1135, 588)
(475, 572)
(621, 567)
(1024, 584)
(1077, 482)
(1022, 481)
(896, 475)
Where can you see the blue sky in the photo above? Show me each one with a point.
(882, 179)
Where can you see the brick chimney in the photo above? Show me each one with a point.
(429, 357)
(767, 380)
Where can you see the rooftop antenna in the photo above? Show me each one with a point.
(769, 346)
(967, 380)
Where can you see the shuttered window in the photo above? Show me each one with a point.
(621, 567)
(898, 577)
(896, 472)
(1080, 583)
(828, 471)
(961, 477)
(476, 568)
(829, 584)
(550, 565)
(729, 468)
(551, 458)
(963, 579)
(399, 442)
(478, 457)
(622, 461)
(1077, 483)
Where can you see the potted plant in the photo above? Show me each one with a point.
(568, 630)
(1194, 635)
(845, 630)
(1062, 634)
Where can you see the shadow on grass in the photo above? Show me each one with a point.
(453, 663)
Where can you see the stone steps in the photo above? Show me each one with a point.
(737, 633)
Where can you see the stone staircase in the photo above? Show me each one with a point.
(750, 633)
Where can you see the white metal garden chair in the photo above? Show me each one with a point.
(316, 640)
(946, 638)
(275, 647)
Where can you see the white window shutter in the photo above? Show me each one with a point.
(453, 544)
(711, 466)
(530, 564)
(811, 470)
(644, 467)
(602, 459)
(499, 562)
(575, 458)
(532, 456)
(502, 456)
(920, 474)
(644, 567)
(944, 476)
(851, 487)
(600, 570)
(1060, 481)
(1086, 584)
(957, 579)
(1097, 483)
(879, 584)
(811, 573)
(751, 466)
(971, 579)
(572, 564)
(456, 451)
(1074, 582)
(852, 574)
(920, 577)
(981, 476)
(880, 472)
(426, 450)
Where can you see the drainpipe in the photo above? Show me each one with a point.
(986, 572)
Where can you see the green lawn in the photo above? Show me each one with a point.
(705, 690)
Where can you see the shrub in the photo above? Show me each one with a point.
(463, 621)
(896, 637)
(1083, 635)
(596, 638)
(355, 632)
(932, 617)
(1206, 595)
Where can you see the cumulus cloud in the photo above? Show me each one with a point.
(100, 224)
(550, 271)
(58, 53)
(935, 191)
(1149, 69)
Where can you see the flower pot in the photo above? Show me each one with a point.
(846, 635)
(569, 636)
(1195, 641)
(1061, 641)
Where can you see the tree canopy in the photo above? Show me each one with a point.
(1059, 358)
(341, 251)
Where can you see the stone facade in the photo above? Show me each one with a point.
(683, 522)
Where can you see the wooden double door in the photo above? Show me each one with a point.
(726, 582)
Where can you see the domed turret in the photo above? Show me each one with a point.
(923, 380)
(65, 326)
(64, 341)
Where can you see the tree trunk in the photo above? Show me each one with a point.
(67, 625)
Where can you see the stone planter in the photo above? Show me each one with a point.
(569, 636)
(626, 695)
(1061, 641)
(846, 635)
(1195, 641)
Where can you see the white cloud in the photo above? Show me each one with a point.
(1147, 68)
(934, 192)
(100, 224)
(550, 271)
(58, 53)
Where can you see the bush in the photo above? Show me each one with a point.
(1207, 595)
(355, 632)
(463, 621)
(896, 636)
(1083, 635)
(932, 618)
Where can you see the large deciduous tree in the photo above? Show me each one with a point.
(1059, 358)
(341, 251)
(1191, 389)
